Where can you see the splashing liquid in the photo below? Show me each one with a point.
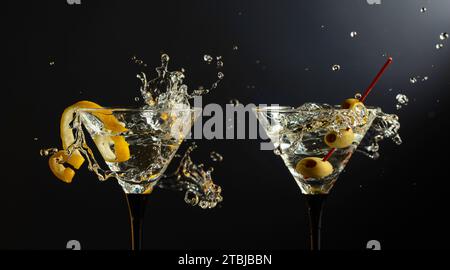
(195, 181)
(166, 91)
(385, 126)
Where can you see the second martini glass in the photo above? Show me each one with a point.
(316, 141)
(298, 135)
(150, 139)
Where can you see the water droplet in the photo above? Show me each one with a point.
(358, 95)
(208, 58)
(322, 26)
(402, 100)
(52, 63)
(335, 67)
(443, 36)
(412, 80)
(423, 9)
(216, 156)
(165, 58)
(425, 78)
(234, 102)
(136, 99)
(48, 152)
(220, 75)
(235, 48)
(353, 34)
(35, 138)
(258, 62)
(390, 89)
(219, 64)
(439, 46)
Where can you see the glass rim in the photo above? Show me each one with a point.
(290, 109)
(125, 109)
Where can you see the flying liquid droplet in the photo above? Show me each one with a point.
(423, 10)
(402, 100)
(216, 156)
(220, 75)
(48, 152)
(353, 34)
(136, 99)
(336, 68)
(219, 64)
(165, 58)
(443, 36)
(234, 102)
(358, 95)
(208, 58)
(52, 63)
(439, 46)
(412, 80)
(235, 48)
(35, 138)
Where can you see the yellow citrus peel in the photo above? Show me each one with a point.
(120, 153)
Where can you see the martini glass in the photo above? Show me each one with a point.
(152, 137)
(298, 133)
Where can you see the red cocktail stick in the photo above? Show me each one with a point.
(375, 80)
(330, 153)
(364, 96)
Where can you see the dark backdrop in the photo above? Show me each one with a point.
(399, 200)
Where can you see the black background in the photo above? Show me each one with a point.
(399, 199)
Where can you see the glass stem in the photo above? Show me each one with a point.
(136, 207)
(315, 206)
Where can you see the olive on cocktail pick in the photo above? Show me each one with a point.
(314, 167)
(341, 139)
